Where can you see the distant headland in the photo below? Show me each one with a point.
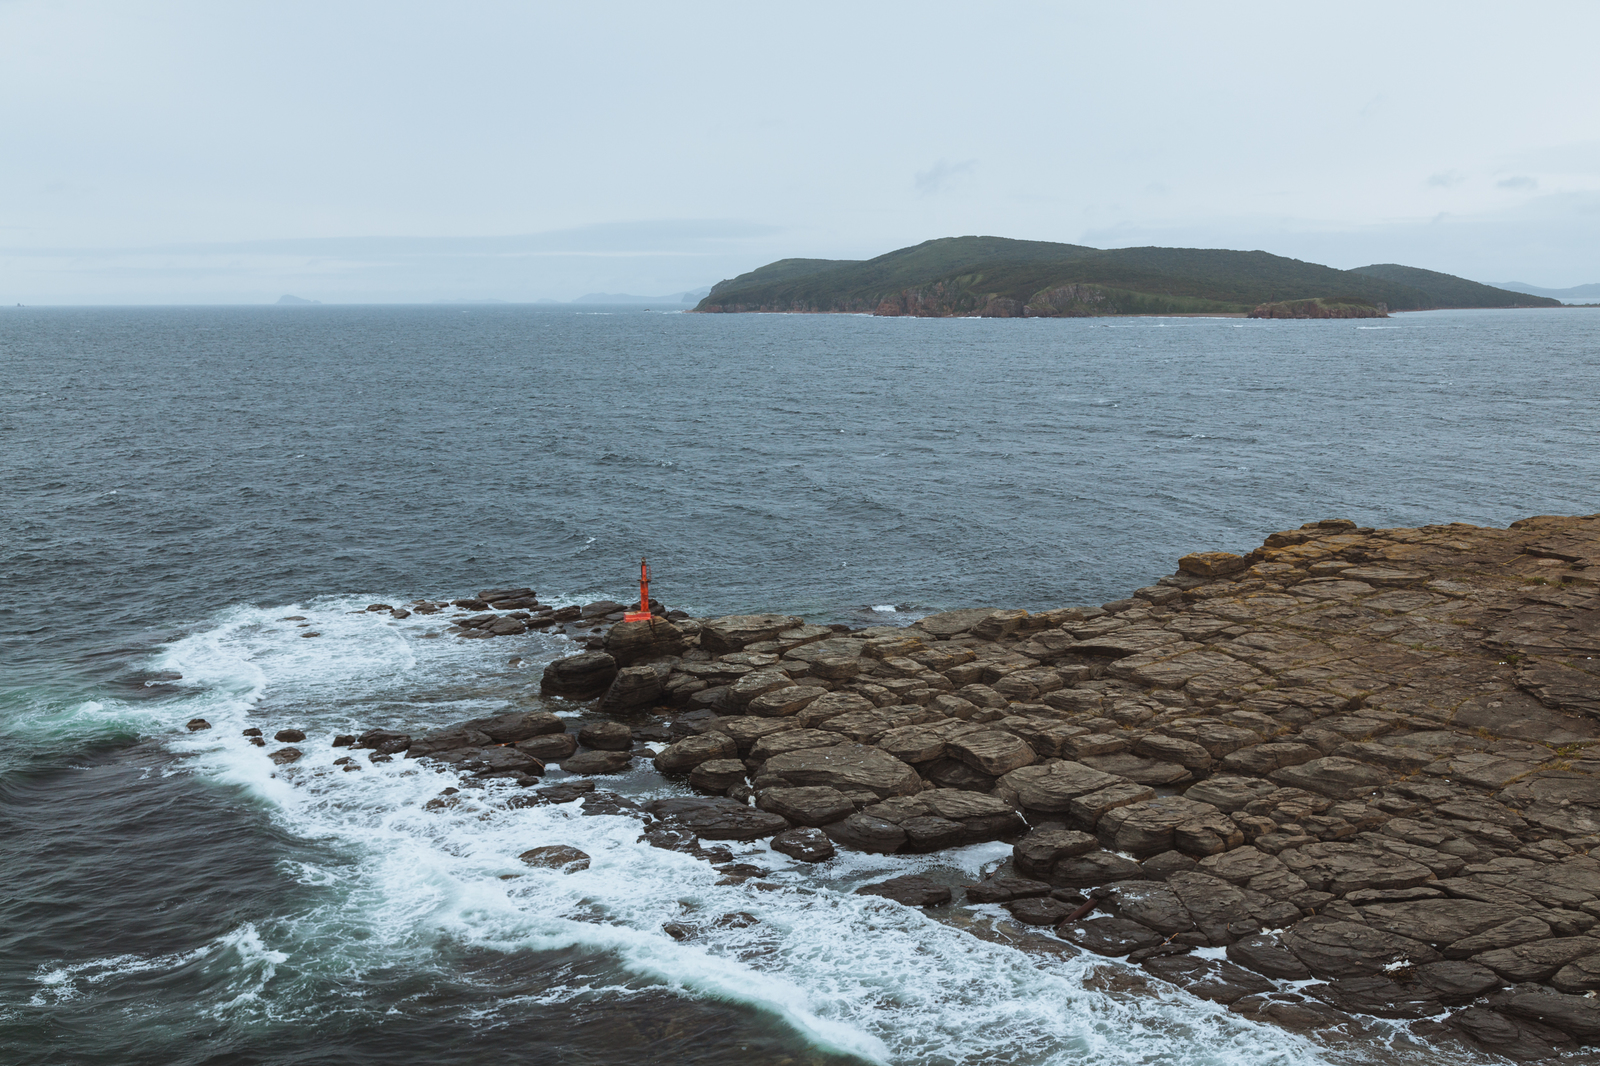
(996, 277)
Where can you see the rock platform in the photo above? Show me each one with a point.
(1364, 758)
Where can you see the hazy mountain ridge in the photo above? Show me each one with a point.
(1004, 278)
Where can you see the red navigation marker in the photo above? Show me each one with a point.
(643, 613)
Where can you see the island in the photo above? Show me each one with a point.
(997, 277)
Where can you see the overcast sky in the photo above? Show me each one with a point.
(159, 152)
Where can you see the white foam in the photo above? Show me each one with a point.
(852, 973)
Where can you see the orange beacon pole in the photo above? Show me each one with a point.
(643, 613)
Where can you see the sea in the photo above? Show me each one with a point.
(187, 493)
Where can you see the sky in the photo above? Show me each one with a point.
(346, 151)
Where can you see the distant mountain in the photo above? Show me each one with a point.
(1003, 278)
(690, 297)
(295, 301)
(1578, 293)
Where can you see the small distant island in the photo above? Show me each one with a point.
(287, 300)
(996, 277)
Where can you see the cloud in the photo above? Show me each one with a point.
(1521, 181)
(1446, 179)
(934, 178)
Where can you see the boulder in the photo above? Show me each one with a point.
(1108, 936)
(947, 624)
(911, 890)
(1093, 868)
(805, 844)
(447, 740)
(734, 632)
(195, 725)
(1005, 889)
(1340, 867)
(862, 832)
(501, 762)
(1212, 564)
(579, 677)
(285, 756)
(561, 857)
(815, 805)
(785, 701)
(552, 747)
(606, 736)
(1036, 854)
(1040, 910)
(847, 767)
(1147, 828)
(289, 736)
(690, 752)
(383, 741)
(630, 643)
(717, 775)
(597, 762)
(717, 819)
(1582, 975)
(519, 725)
(633, 689)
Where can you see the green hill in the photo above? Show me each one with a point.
(999, 277)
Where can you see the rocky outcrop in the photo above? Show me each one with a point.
(1319, 308)
(1363, 758)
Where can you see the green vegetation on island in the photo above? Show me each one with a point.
(996, 277)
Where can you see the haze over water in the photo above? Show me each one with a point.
(177, 481)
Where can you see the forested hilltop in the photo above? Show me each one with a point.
(996, 277)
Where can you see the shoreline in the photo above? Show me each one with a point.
(1353, 774)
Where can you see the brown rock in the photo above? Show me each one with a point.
(630, 643)
(911, 890)
(690, 752)
(734, 632)
(579, 677)
(993, 752)
(561, 857)
(597, 762)
(815, 805)
(847, 767)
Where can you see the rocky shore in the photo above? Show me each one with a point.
(1358, 761)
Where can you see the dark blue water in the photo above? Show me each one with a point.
(173, 481)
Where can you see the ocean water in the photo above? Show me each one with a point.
(175, 484)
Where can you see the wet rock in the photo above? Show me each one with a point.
(931, 833)
(1265, 953)
(579, 677)
(847, 767)
(1005, 889)
(630, 643)
(552, 747)
(785, 701)
(1378, 996)
(911, 890)
(1093, 868)
(1040, 910)
(1157, 906)
(952, 623)
(863, 832)
(807, 844)
(598, 762)
(690, 752)
(561, 857)
(718, 819)
(289, 736)
(344, 740)
(382, 741)
(445, 741)
(1340, 867)
(285, 756)
(1212, 564)
(606, 736)
(1505, 935)
(252, 732)
(633, 688)
(195, 725)
(1108, 936)
(501, 762)
(1220, 982)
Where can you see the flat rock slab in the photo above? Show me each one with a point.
(911, 890)
(1108, 936)
(718, 819)
(557, 857)
(847, 767)
(1331, 948)
(805, 844)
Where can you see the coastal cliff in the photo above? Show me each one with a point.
(1363, 762)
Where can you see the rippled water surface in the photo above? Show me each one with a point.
(176, 482)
